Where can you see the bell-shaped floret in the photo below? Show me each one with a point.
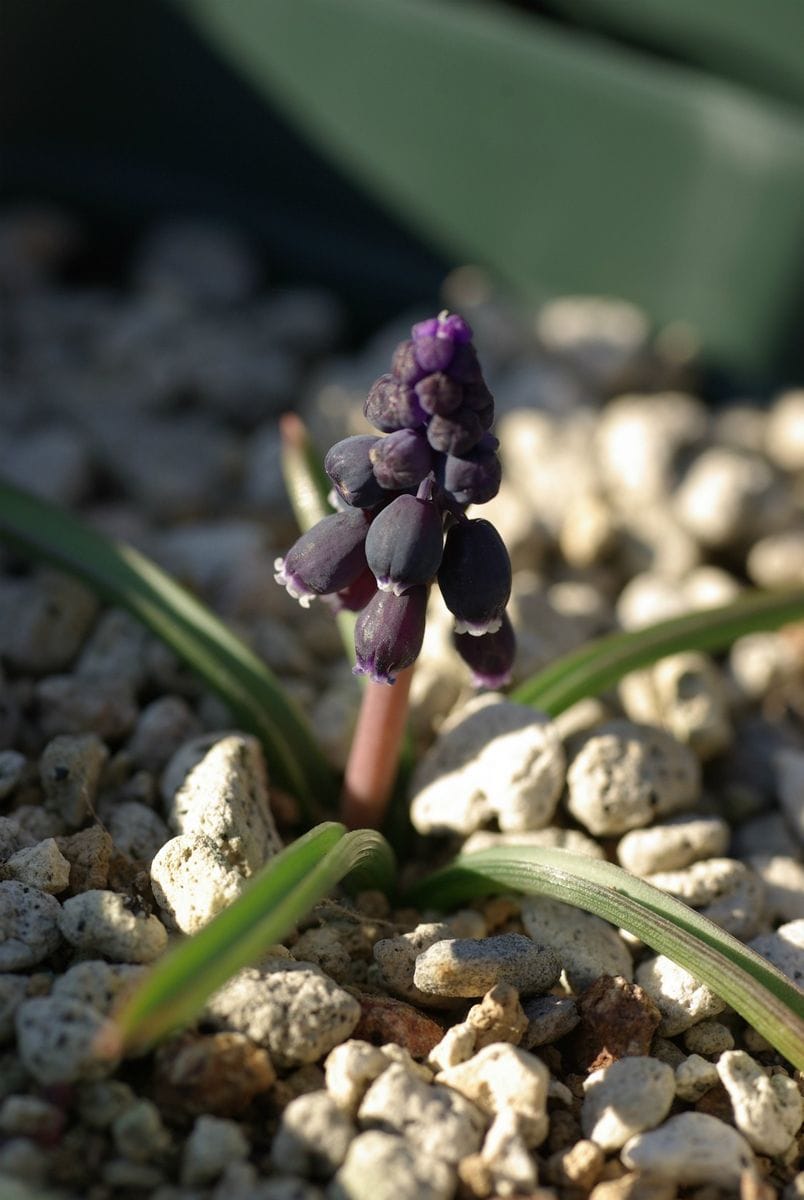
(475, 576)
(401, 460)
(392, 405)
(349, 467)
(440, 394)
(455, 434)
(355, 596)
(404, 544)
(327, 558)
(389, 633)
(473, 478)
(490, 657)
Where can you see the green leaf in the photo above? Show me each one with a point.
(598, 665)
(276, 899)
(760, 993)
(123, 576)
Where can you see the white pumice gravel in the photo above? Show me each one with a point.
(694, 1077)
(673, 844)
(44, 618)
(96, 983)
(625, 775)
(768, 1110)
(41, 866)
(213, 1143)
(104, 923)
(708, 1038)
(313, 1137)
(440, 1122)
(61, 1040)
(13, 990)
(193, 881)
(469, 966)
(630, 1096)
(680, 998)
(386, 1166)
(73, 705)
(690, 1149)
(293, 1009)
(349, 1069)
(585, 945)
(492, 758)
(503, 1078)
(396, 957)
(783, 880)
(785, 949)
(224, 797)
(139, 1133)
(162, 727)
(136, 829)
(29, 925)
(506, 1156)
(70, 768)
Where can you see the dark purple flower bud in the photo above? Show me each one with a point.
(404, 365)
(402, 459)
(440, 394)
(389, 634)
(456, 434)
(327, 558)
(355, 596)
(393, 405)
(491, 657)
(476, 395)
(436, 339)
(486, 416)
(475, 576)
(350, 469)
(464, 366)
(473, 478)
(404, 542)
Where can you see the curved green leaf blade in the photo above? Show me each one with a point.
(279, 896)
(599, 664)
(760, 993)
(127, 578)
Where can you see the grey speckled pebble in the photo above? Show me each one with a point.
(768, 1110)
(470, 966)
(502, 1078)
(785, 949)
(293, 1009)
(96, 983)
(29, 929)
(691, 1148)
(13, 989)
(384, 1166)
(630, 1096)
(783, 877)
(681, 999)
(43, 620)
(61, 1040)
(396, 958)
(102, 922)
(626, 775)
(549, 1018)
(673, 845)
(69, 769)
(586, 946)
(41, 866)
(438, 1121)
(77, 704)
(313, 1137)
(136, 829)
(213, 1142)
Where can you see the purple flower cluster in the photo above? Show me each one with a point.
(401, 521)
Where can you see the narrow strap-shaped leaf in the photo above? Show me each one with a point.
(759, 992)
(127, 578)
(276, 899)
(600, 664)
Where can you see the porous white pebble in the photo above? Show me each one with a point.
(768, 1110)
(692, 702)
(213, 1143)
(493, 758)
(708, 1038)
(502, 1078)
(783, 880)
(585, 945)
(70, 768)
(105, 923)
(385, 1166)
(61, 1040)
(13, 990)
(784, 948)
(507, 1158)
(139, 1133)
(313, 1136)
(691, 1148)
(116, 648)
(730, 496)
(293, 1009)
(162, 727)
(136, 829)
(72, 705)
(680, 998)
(457, 1044)
(777, 561)
(470, 966)
(626, 775)
(44, 618)
(396, 958)
(97, 983)
(726, 891)
(694, 1077)
(626, 1098)
(349, 1069)
(438, 1121)
(193, 881)
(673, 844)
(29, 925)
(41, 866)
(785, 430)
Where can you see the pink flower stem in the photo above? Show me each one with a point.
(374, 756)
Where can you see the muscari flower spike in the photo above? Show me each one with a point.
(398, 494)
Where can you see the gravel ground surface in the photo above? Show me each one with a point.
(519, 1047)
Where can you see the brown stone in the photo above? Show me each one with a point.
(578, 1166)
(89, 853)
(617, 1019)
(384, 1019)
(219, 1074)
